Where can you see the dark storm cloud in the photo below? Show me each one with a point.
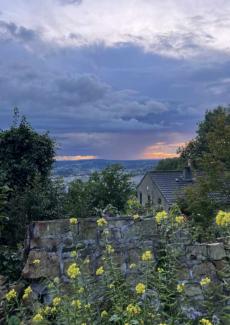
(105, 102)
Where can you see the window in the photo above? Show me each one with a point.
(140, 197)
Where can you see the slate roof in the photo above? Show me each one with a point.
(170, 183)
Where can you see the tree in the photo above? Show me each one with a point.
(112, 186)
(25, 154)
(210, 153)
(170, 164)
(26, 159)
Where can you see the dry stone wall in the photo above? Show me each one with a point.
(52, 242)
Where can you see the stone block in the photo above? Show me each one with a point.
(216, 251)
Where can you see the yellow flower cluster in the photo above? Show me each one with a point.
(73, 254)
(101, 222)
(160, 270)
(81, 290)
(104, 314)
(223, 218)
(205, 321)
(180, 287)
(100, 270)
(179, 220)
(12, 294)
(133, 309)
(147, 256)
(162, 324)
(37, 318)
(56, 301)
(76, 303)
(73, 271)
(36, 261)
(161, 216)
(136, 217)
(27, 292)
(140, 288)
(73, 221)
(109, 249)
(205, 281)
(132, 266)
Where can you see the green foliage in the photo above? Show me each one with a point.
(111, 186)
(24, 155)
(170, 164)
(26, 190)
(11, 262)
(210, 152)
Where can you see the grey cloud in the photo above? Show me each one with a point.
(21, 33)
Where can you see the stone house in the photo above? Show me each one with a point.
(161, 188)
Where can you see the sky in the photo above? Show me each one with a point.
(124, 79)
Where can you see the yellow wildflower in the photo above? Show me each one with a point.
(36, 261)
(87, 306)
(205, 321)
(111, 286)
(56, 280)
(147, 256)
(37, 318)
(56, 301)
(73, 221)
(81, 290)
(27, 292)
(161, 216)
(109, 249)
(76, 303)
(180, 287)
(223, 218)
(73, 271)
(133, 309)
(162, 324)
(136, 217)
(132, 266)
(53, 310)
(101, 222)
(160, 270)
(100, 270)
(104, 314)
(140, 288)
(12, 294)
(205, 281)
(83, 324)
(47, 310)
(73, 254)
(179, 219)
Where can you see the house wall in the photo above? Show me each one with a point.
(148, 190)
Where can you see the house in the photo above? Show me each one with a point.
(161, 188)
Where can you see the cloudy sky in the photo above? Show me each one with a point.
(124, 79)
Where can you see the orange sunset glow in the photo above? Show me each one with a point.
(161, 150)
(61, 158)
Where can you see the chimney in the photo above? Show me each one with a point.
(187, 174)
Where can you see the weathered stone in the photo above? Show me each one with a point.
(48, 266)
(197, 252)
(216, 251)
(204, 269)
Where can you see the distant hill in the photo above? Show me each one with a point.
(83, 168)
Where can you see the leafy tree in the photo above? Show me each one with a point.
(210, 152)
(170, 164)
(111, 186)
(26, 159)
(24, 154)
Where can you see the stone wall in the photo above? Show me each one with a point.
(53, 241)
